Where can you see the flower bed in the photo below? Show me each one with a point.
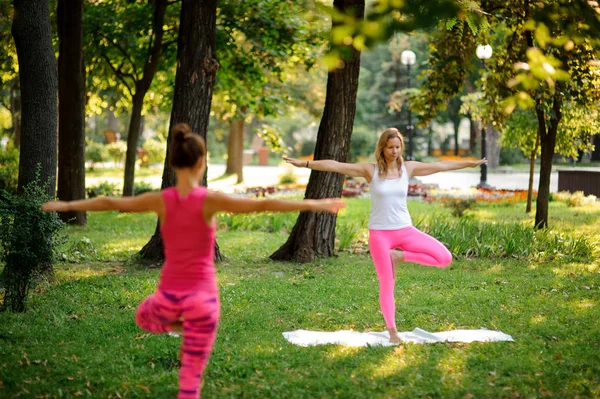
(480, 195)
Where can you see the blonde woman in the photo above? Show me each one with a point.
(392, 237)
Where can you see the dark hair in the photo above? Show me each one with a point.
(186, 147)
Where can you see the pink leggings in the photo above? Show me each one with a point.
(200, 311)
(417, 246)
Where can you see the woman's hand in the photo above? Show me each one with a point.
(479, 162)
(296, 162)
(56, 206)
(332, 205)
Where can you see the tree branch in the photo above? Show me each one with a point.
(127, 56)
(119, 74)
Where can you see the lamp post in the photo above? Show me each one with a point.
(484, 52)
(408, 58)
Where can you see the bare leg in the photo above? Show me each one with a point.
(394, 338)
(397, 257)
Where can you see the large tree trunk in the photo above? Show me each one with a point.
(197, 67)
(548, 143)
(141, 88)
(39, 83)
(314, 233)
(235, 149)
(71, 108)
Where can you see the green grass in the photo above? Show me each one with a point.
(79, 338)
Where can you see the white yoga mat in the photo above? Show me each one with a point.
(417, 336)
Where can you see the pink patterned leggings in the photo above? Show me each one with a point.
(200, 311)
(417, 246)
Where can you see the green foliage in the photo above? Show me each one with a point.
(103, 189)
(96, 153)
(362, 144)
(117, 151)
(9, 169)
(156, 151)
(459, 205)
(576, 199)
(288, 177)
(141, 187)
(28, 239)
(511, 156)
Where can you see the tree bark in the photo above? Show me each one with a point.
(314, 233)
(235, 149)
(71, 108)
(194, 80)
(141, 88)
(492, 147)
(548, 144)
(531, 173)
(39, 83)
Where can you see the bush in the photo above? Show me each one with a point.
(362, 144)
(288, 177)
(9, 169)
(117, 151)
(142, 187)
(459, 205)
(103, 189)
(28, 237)
(155, 152)
(95, 153)
(511, 156)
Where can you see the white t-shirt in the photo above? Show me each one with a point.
(388, 202)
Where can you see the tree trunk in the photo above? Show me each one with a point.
(531, 173)
(548, 143)
(39, 83)
(141, 88)
(473, 128)
(492, 147)
(15, 110)
(456, 125)
(195, 76)
(71, 110)
(314, 233)
(235, 149)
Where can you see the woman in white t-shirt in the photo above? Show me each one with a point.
(392, 237)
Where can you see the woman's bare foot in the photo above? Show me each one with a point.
(397, 257)
(394, 338)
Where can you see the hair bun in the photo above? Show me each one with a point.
(180, 131)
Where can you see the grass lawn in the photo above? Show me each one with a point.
(79, 338)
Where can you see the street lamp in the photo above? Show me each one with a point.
(408, 58)
(484, 52)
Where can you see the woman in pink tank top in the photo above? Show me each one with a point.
(187, 298)
(392, 238)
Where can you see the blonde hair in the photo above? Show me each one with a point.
(388, 134)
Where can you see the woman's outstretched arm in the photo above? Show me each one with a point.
(147, 202)
(327, 165)
(219, 202)
(428, 168)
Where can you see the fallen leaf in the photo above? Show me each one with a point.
(143, 388)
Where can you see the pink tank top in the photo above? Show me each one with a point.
(189, 243)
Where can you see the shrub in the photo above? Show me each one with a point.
(9, 169)
(142, 187)
(28, 237)
(155, 152)
(459, 205)
(103, 189)
(288, 177)
(95, 153)
(117, 151)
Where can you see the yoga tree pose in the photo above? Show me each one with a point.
(187, 297)
(392, 238)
